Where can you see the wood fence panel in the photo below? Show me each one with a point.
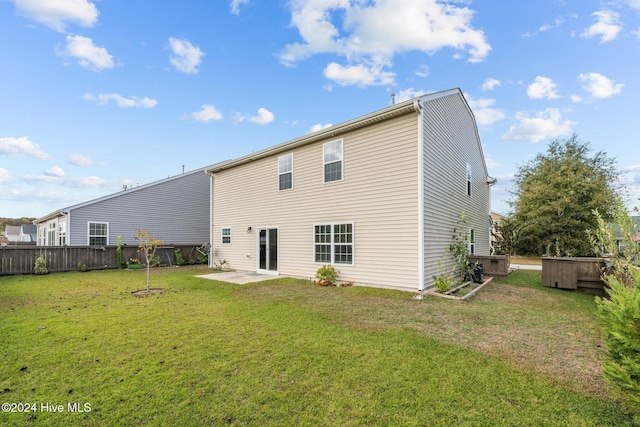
(21, 259)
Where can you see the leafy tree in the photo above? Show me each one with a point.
(556, 193)
(506, 236)
(147, 246)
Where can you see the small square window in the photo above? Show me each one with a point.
(226, 235)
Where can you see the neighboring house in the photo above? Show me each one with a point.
(12, 233)
(174, 210)
(378, 197)
(495, 220)
(28, 233)
(618, 233)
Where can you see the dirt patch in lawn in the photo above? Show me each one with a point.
(145, 292)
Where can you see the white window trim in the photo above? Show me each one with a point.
(222, 236)
(341, 161)
(332, 243)
(282, 173)
(89, 231)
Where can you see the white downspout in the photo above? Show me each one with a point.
(210, 220)
(421, 216)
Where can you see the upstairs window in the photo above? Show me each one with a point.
(332, 160)
(285, 172)
(98, 233)
(226, 235)
(468, 179)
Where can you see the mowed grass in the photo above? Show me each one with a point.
(284, 352)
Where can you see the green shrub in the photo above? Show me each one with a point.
(179, 257)
(327, 275)
(621, 317)
(82, 266)
(442, 283)
(41, 266)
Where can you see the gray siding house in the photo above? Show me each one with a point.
(378, 197)
(175, 210)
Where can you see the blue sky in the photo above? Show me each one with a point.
(95, 95)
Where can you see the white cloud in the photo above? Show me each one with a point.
(206, 114)
(104, 98)
(81, 160)
(264, 116)
(607, 26)
(359, 75)
(186, 57)
(490, 162)
(56, 171)
(422, 71)
(73, 182)
(490, 84)
(576, 98)
(318, 127)
(545, 124)
(407, 94)
(547, 27)
(369, 34)
(15, 147)
(235, 6)
(88, 55)
(633, 4)
(5, 176)
(57, 14)
(542, 88)
(600, 86)
(483, 112)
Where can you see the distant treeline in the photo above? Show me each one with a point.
(14, 221)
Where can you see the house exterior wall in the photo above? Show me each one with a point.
(450, 143)
(378, 195)
(175, 211)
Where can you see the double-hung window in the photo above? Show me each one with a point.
(98, 233)
(333, 243)
(226, 235)
(332, 160)
(472, 241)
(285, 172)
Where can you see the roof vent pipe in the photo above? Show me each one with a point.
(393, 99)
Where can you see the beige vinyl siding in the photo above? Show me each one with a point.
(378, 194)
(450, 143)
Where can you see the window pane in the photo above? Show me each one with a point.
(285, 181)
(332, 151)
(333, 172)
(323, 253)
(344, 254)
(285, 163)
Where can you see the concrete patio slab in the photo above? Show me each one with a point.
(239, 277)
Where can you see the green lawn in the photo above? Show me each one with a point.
(285, 352)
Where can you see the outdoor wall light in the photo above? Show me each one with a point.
(249, 229)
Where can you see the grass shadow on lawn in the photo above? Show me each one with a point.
(287, 352)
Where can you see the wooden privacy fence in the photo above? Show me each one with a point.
(494, 265)
(582, 274)
(21, 259)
